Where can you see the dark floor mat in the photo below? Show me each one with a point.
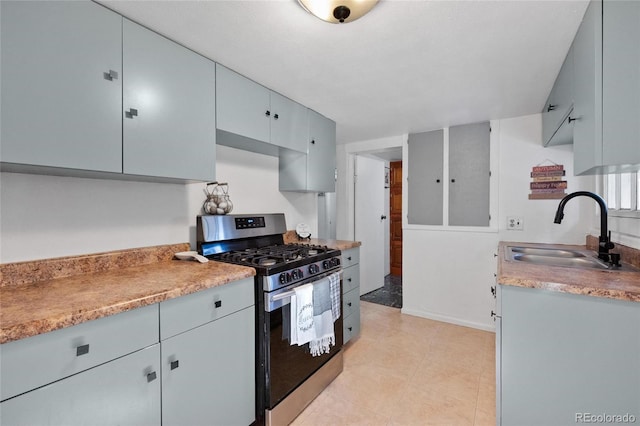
(390, 294)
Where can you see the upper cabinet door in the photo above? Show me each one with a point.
(621, 83)
(61, 85)
(289, 123)
(169, 108)
(587, 106)
(469, 175)
(321, 159)
(558, 106)
(425, 178)
(243, 105)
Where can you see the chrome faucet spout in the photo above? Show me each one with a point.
(605, 243)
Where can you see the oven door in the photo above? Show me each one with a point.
(286, 365)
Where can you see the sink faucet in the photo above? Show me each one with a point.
(605, 243)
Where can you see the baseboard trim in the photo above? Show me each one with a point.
(449, 319)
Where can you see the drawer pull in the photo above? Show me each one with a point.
(350, 328)
(218, 303)
(82, 350)
(349, 304)
(349, 258)
(349, 279)
(151, 377)
(175, 364)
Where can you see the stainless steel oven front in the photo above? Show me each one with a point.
(291, 377)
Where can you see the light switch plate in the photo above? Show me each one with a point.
(515, 223)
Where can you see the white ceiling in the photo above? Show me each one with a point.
(407, 66)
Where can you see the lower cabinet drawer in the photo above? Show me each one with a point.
(350, 278)
(125, 391)
(351, 326)
(184, 313)
(350, 257)
(36, 361)
(351, 302)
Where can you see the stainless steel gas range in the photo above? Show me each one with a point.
(288, 377)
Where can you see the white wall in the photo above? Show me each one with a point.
(447, 273)
(47, 216)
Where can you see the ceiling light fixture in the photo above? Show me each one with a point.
(338, 11)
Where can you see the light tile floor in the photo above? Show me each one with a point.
(405, 370)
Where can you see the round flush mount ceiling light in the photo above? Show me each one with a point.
(338, 11)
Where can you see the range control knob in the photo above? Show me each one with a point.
(296, 274)
(326, 264)
(335, 261)
(285, 277)
(314, 269)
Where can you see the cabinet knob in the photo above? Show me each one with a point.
(453, 181)
(267, 113)
(313, 142)
(174, 364)
(131, 113)
(570, 120)
(82, 350)
(151, 376)
(111, 75)
(275, 116)
(350, 328)
(349, 279)
(218, 303)
(437, 180)
(349, 304)
(349, 258)
(551, 107)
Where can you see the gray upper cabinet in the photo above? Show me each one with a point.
(251, 117)
(61, 85)
(469, 175)
(606, 129)
(314, 171)
(558, 106)
(425, 178)
(169, 108)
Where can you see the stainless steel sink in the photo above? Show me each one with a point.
(541, 251)
(569, 262)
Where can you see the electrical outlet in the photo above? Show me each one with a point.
(515, 223)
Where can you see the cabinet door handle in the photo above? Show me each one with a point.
(493, 291)
(82, 350)
(569, 119)
(111, 75)
(275, 116)
(218, 303)
(267, 113)
(349, 258)
(174, 364)
(551, 107)
(131, 113)
(151, 376)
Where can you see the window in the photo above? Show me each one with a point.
(622, 194)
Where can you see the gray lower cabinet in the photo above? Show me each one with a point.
(125, 391)
(468, 182)
(606, 128)
(168, 123)
(315, 170)
(61, 78)
(565, 357)
(251, 117)
(101, 372)
(208, 367)
(351, 293)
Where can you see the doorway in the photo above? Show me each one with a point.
(395, 217)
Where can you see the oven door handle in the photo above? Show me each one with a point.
(275, 301)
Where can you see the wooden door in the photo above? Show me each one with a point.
(395, 181)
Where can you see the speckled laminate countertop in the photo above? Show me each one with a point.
(291, 237)
(613, 284)
(72, 290)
